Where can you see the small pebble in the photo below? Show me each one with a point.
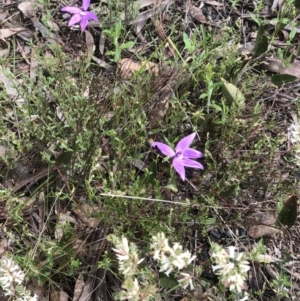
(229, 233)
(66, 16)
(242, 232)
(214, 235)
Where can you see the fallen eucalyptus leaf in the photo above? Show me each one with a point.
(196, 13)
(90, 45)
(288, 213)
(265, 258)
(9, 81)
(233, 94)
(230, 191)
(64, 158)
(276, 65)
(282, 79)
(29, 9)
(168, 282)
(261, 224)
(262, 43)
(7, 32)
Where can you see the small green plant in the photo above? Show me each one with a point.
(280, 286)
(115, 33)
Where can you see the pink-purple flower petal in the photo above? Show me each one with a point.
(192, 153)
(191, 163)
(75, 19)
(90, 16)
(185, 142)
(83, 24)
(183, 155)
(179, 167)
(71, 10)
(164, 148)
(85, 4)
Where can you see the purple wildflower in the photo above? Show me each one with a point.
(182, 155)
(80, 15)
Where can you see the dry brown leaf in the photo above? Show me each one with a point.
(102, 63)
(45, 32)
(84, 213)
(54, 296)
(128, 66)
(246, 49)
(39, 290)
(102, 43)
(63, 296)
(139, 27)
(3, 246)
(25, 35)
(159, 6)
(2, 154)
(288, 27)
(79, 286)
(3, 15)
(261, 224)
(8, 83)
(59, 296)
(62, 220)
(137, 5)
(23, 52)
(87, 292)
(276, 65)
(28, 9)
(196, 13)
(212, 2)
(161, 32)
(284, 35)
(279, 4)
(143, 3)
(6, 151)
(8, 32)
(144, 16)
(139, 164)
(89, 40)
(79, 247)
(34, 65)
(266, 258)
(53, 26)
(4, 52)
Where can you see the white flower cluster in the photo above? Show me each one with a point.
(11, 278)
(231, 267)
(294, 137)
(171, 258)
(137, 283)
(132, 290)
(127, 255)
